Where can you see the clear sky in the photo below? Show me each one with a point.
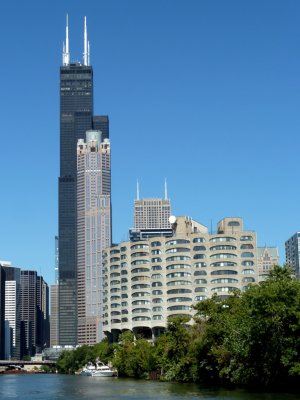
(203, 92)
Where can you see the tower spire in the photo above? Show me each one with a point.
(137, 190)
(166, 190)
(66, 53)
(86, 46)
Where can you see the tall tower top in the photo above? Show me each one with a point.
(66, 52)
(66, 47)
(86, 46)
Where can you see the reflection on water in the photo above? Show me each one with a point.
(52, 387)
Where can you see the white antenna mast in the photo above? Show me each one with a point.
(166, 190)
(86, 46)
(137, 190)
(66, 54)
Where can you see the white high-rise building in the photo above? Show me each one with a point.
(93, 232)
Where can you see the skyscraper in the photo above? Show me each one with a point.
(2, 312)
(42, 323)
(54, 333)
(152, 213)
(151, 217)
(76, 117)
(28, 312)
(93, 232)
(292, 253)
(12, 311)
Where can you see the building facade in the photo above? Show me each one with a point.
(28, 312)
(43, 322)
(12, 311)
(54, 338)
(145, 282)
(267, 257)
(93, 232)
(2, 313)
(292, 253)
(152, 214)
(76, 117)
(151, 217)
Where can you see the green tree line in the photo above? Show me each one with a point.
(248, 339)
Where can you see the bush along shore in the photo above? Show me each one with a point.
(250, 339)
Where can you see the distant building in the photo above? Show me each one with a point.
(34, 313)
(54, 328)
(54, 338)
(151, 217)
(43, 323)
(93, 232)
(56, 249)
(12, 311)
(292, 253)
(267, 257)
(147, 281)
(2, 313)
(28, 312)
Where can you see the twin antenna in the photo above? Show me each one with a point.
(138, 190)
(86, 46)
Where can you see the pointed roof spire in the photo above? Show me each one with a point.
(86, 46)
(66, 53)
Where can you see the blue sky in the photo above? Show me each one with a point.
(204, 93)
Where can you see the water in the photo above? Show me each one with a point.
(57, 387)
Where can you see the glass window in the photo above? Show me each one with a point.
(179, 299)
(199, 248)
(178, 258)
(224, 272)
(200, 298)
(177, 241)
(199, 256)
(177, 250)
(175, 291)
(198, 240)
(224, 280)
(222, 239)
(179, 307)
(234, 223)
(156, 243)
(244, 238)
(247, 254)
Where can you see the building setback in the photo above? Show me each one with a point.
(147, 281)
(76, 117)
(93, 232)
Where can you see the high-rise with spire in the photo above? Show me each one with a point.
(76, 117)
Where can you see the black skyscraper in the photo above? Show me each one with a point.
(76, 117)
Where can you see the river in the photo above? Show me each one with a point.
(67, 387)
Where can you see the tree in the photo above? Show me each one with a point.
(253, 338)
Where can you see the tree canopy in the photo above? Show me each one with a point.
(250, 338)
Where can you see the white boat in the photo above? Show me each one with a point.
(99, 370)
(102, 370)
